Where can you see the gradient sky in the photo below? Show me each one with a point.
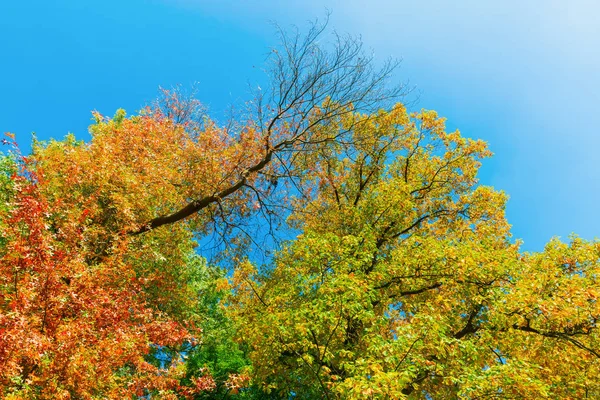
(522, 75)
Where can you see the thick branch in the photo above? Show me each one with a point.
(558, 335)
(469, 327)
(199, 204)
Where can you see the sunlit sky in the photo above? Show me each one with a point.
(522, 75)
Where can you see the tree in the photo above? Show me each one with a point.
(78, 318)
(404, 283)
(217, 353)
(96, 275)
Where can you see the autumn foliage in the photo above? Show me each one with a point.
(398, 277)
(78, 314)
(404, 282)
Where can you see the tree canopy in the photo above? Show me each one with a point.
(358, 256)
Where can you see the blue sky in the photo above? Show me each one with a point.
(522, 75)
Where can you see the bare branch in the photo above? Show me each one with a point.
(310, 85)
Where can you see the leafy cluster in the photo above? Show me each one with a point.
(404, 283)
